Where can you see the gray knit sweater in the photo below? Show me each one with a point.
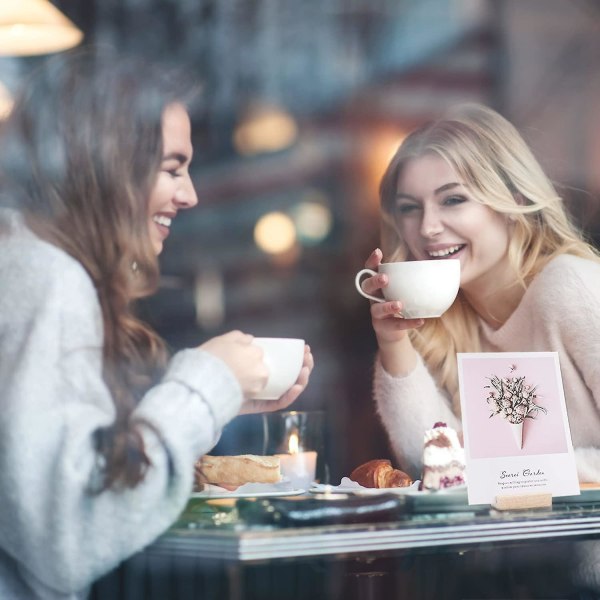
(55, 537)
(559, 312)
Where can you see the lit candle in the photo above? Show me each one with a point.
(299, 467)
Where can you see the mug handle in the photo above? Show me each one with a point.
(357, 279)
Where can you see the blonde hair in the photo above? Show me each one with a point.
(497, 166)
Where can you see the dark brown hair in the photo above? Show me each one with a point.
(79, 156)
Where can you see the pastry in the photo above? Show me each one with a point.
(443, 458)
(379, 473)
(233, 471)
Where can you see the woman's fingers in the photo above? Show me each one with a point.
(259, 406)
(370, 285)
(291, 394)
(374, 259)
(254, 406)
(382, 310)
(307, 366)
(388, 321)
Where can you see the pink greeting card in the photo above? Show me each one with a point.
(515, 426)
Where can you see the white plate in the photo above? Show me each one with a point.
(251, 490)
(215, 495)
(347, 486)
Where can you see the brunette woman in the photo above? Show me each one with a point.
(99, 430)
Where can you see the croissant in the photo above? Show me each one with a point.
(379, 473)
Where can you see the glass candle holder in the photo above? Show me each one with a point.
(296, 437)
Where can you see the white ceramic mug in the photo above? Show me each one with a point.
(284, 358)
(426, 288)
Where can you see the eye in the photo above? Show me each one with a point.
(173, 168)
(406, 208)
(454, 200)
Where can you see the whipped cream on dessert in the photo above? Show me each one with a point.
(443, 458)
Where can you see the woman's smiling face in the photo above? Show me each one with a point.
(439, 218)
(173, 190)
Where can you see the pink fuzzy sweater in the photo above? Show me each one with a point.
(560, 312)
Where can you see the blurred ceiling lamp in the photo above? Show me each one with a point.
(274, 233)
(29, 27)
(6, 102)
(265, 128)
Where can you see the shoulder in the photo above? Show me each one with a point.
(35, 273)
(567, 279)
(567, 265)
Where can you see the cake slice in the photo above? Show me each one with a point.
(443, 458)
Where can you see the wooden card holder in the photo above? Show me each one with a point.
(522, 502)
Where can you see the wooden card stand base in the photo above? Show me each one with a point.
(523, 502)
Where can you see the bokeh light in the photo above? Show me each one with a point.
(313, 222)
(275, 233)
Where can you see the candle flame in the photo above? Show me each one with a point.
(293, 443)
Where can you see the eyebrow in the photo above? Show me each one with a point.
(178, 156)
(442, 188)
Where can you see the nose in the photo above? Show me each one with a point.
(431, 224)
(185, 195)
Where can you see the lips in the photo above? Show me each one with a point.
(447, 251)
(162, 220)
(163, 224)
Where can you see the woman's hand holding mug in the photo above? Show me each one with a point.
(412, 291)
(245, 359)
(252, 364)
(388, 327)
(257, 405)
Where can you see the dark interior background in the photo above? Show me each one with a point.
(355, 75)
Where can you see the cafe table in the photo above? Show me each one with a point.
(237, 549)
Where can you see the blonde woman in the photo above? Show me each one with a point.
(468, 187)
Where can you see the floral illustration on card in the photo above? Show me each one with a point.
(514, 399)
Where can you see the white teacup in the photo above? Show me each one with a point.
(426, 288)
(284, 358)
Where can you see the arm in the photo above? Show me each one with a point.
(588, 464)
(578, 297)
(561, 312)
(408, 406)
(406, 396)
(54, 398)
(396, 351)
